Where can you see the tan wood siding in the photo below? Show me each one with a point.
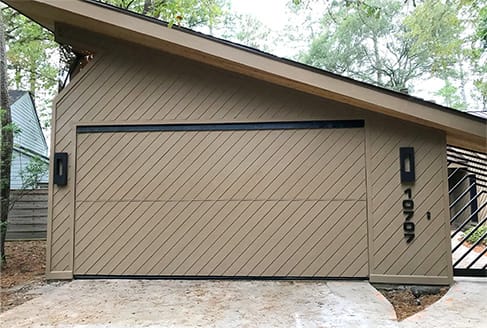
(99, 94)
(428, 254)
(222, 203)
(123, 89)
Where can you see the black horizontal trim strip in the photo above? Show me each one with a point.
(470, 272)
(342, 124)
(165, 277)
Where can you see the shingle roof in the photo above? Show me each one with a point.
(15, 95)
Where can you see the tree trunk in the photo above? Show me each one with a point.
(147, 7)
(6, 144)
(377, 60)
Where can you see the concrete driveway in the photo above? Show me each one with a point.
(179, 303)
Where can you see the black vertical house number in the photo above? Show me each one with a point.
(408, 210)
(408, 176)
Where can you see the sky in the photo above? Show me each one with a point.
(270, 12)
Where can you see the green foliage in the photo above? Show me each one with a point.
(189, 13)
(29, 55)
(246, 30)
(477, 234)
(390, 44)
(12, 127)
(482, 27)
(371, 48)
(33, 172)
(433, 30)
(450, 96)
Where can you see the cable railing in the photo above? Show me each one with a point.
(467, 190)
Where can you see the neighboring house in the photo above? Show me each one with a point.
(30, 141)
(177, 154)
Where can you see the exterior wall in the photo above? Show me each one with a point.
(134, 85)
(427, 259)
(25, 117)
(29, 141)
(20, 160)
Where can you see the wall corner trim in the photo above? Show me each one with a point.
(59, 275)
(410, 280)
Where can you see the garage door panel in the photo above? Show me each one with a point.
(352, 177)
(201, 243)
(148, 244)
(121, 172)
(103, 162)
(221, 244)
(88, 245)
(140, 180)
(316, 249)
(332, 172)
(145, 184)
(278, 181)
(226, 168)
(219, 203)
(129, 242)
(342, 253)
(280, 229)
(191, 236)
(106, 169)
(121, 230)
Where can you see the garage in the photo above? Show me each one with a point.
(179, 155)
(261, 199)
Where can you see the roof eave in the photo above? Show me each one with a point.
(462, 130)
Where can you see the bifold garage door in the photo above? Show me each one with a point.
(221, 200)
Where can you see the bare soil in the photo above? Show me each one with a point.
(406, 304)
(24, 271)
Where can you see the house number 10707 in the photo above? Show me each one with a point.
(408, 210)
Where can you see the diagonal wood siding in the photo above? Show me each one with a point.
(118, 87)
(428, 254)
(222, 203)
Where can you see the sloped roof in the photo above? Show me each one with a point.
(462, 129)
(482, 113)
(15, 95)
(24, 115)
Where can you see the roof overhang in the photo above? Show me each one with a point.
(462, 130)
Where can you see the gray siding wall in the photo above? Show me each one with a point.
(20, 160)
(25, 117)
(29, 142)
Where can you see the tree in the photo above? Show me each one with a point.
(450, 96)
(188, 13)
(246, 30)
(6, 143)
(372, 48)
(482, 26)
(391, 45)
(31, 67)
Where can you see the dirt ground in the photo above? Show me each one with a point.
(23, 272)
(406, 303)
